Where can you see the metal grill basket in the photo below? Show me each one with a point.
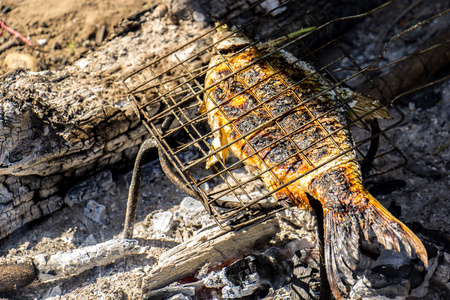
(167, 94)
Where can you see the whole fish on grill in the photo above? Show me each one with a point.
(289, 126)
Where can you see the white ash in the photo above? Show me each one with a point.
(90, 240)
(192, 213)
(250, 284)
(162, 221)
(54, 293)
(71, 263)
(95, 211)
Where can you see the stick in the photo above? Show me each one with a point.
(67, 264)
(11, 43)
(210, 247)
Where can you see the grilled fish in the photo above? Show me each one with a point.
(281, 118)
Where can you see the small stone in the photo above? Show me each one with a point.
(191, 204)
(44, 25)
(57, 46)
(95, 211)
(6, 10)
(159, 11)
(41, 42)
(199, 17)
(162, 221)
(90, 240)
(15, 61)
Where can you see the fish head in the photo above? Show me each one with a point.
(227, 40)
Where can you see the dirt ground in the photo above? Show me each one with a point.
(69, 28)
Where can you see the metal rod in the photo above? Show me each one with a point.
(133, 192)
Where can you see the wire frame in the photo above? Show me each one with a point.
(169, 91)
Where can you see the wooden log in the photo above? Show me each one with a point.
(17, 272)
(49, 141)
(60, 127)
(14, 276)
(429, 58)
(210, 247)
(71, 263)
(418, 67)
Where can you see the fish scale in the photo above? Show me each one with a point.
(289, 127)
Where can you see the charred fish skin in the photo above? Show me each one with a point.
(283, 120)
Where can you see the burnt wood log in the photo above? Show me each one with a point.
(60, 127)
(211, 247)
(17, 271)
(55, 131)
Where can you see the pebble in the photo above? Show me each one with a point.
(14, 61)
(6, 10)
(90, 240)
(191, 204)
(41, 42)
(199, 17)
(95, 211)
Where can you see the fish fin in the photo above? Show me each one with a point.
(345, 226)
(364, 106)
(221, 155)
(219, 141)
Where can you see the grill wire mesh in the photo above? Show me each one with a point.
(168, 92)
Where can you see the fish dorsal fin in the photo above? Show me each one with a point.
(364, 106)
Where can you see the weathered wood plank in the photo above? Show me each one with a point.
(210, 247)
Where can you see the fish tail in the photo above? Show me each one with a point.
(351, 214)
(346, 225)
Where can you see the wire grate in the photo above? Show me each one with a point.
(168, 94)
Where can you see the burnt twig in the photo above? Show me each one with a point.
(11, 43)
